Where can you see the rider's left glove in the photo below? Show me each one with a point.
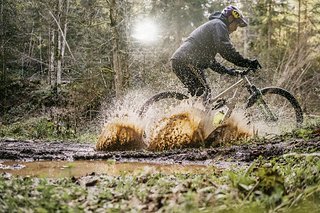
(230, 71)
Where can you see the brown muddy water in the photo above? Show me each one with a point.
(61, 169)
(172, 124)
(187, 128)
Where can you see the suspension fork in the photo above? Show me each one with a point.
(256, 97)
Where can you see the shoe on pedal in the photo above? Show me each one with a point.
(219, 103)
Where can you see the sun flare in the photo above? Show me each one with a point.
(146, 31)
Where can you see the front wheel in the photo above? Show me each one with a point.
(158, 97)
(275, 111)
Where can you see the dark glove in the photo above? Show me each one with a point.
(233, 72)
(254, 64)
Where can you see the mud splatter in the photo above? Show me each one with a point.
(183, 128)
(180, 130)
(234, 129)
(120, 135)
(167, 125)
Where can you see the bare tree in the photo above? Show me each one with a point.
(58, 41)
(52, 72)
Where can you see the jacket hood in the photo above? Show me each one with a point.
(218, 15)
(215, 15)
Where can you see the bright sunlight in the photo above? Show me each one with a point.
(146, 31)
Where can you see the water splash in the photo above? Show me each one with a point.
(179, 130)
(235, 128)
(121, 135)
(165, 126)
(122, 127)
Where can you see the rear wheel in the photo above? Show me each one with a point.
(275, 112)
(168, 96)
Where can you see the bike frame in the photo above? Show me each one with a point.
(231, 87)
(253, 90)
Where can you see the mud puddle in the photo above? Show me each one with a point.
(61, 169)
(16, 150)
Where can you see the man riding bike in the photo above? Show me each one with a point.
(198, 51)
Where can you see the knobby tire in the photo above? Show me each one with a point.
(161, 96)
(292, 100)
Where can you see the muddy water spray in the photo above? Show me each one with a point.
(178, 130)
(120, 135)
(186, 124)
(123, 128)
(189, 125)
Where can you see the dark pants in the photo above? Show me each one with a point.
(192, 77)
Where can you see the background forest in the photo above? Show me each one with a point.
(62, 61)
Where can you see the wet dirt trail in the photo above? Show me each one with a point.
(18, 150)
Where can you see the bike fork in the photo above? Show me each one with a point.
(268, 114)
(258, 99)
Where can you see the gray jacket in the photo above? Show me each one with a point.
(202, 45)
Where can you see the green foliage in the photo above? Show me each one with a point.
(37, 128)
(49, 196)
(61, 108)
(304, 133)
(308, 130)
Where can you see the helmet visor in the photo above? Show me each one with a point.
(242, 22)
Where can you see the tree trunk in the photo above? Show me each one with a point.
(52, 71)
(116, 51)
(299, 23)
(59, 42)
(65, 24)
(40, 55)
(31, 45)
(3, 58)
(3, 43)
(179, 24)
(269, 31)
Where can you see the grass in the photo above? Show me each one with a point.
(285, 184)
(44, 128)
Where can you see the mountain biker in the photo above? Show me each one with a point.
(198, 51)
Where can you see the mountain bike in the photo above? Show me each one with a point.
(269, 107)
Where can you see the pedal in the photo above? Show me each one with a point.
(219, 103)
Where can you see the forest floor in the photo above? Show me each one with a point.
(280, 174)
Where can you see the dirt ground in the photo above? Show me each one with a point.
(40, 150)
